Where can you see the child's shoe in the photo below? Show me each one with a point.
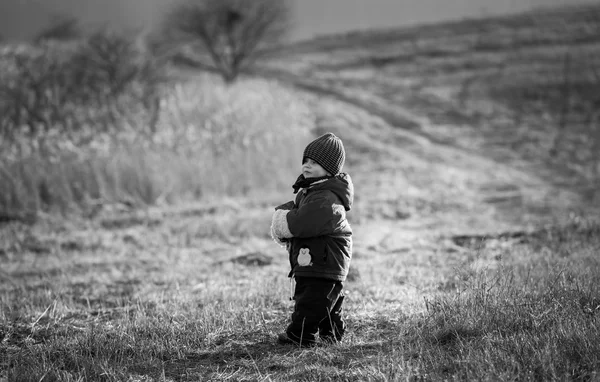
(283, 338)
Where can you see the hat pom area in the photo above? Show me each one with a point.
(328, 151)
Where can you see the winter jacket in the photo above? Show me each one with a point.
(319, 237)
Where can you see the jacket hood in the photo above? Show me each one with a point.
(341, 185)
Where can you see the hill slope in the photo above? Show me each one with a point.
(464, 123)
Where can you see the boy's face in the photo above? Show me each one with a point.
(311, 169)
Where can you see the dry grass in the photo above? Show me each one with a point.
(212, 140)
(520, 89)
(98, 304)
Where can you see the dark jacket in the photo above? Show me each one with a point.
(319, 227)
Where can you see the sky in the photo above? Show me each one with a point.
(21, 19)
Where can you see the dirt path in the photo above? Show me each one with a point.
(413, 184)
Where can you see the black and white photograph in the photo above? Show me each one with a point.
(299, 190)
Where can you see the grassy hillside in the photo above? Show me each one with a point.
(98, 122)
(519, 88)
(476, 230)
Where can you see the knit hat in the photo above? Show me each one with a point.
(328, 151)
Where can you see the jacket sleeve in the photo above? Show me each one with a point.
(317, 216)
(285, 206)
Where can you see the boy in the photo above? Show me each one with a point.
(319, 242)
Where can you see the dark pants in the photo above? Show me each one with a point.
(317, 309)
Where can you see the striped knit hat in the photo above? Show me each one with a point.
(328, 151)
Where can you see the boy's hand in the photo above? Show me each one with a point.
(283, 242)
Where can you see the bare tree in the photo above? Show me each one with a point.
(63, 28)
(231, 34)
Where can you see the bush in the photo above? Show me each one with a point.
(76, 90)
(75, 146)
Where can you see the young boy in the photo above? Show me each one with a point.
(319, 242)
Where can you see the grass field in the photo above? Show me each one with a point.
(160, 299)
(475, 251)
